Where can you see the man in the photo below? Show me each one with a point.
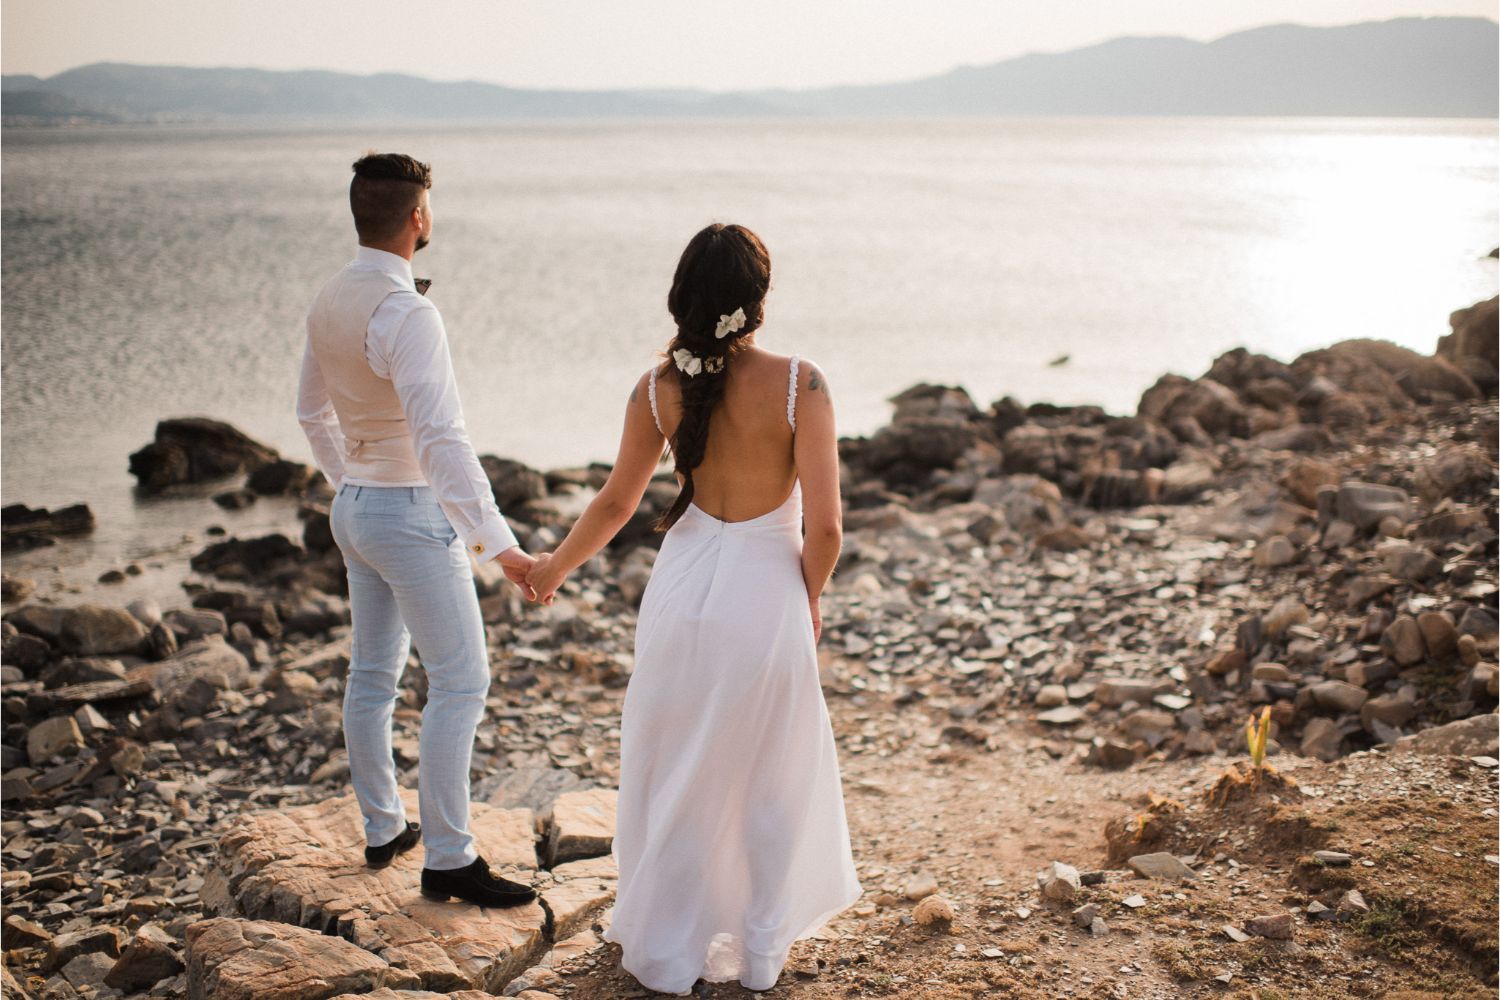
(380, 408)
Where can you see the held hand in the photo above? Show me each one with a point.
(817, 619)
(544, 579)
(515, 563)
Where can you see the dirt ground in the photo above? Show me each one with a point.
(984, 820)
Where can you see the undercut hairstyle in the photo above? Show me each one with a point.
(724, 268)
(386, 187)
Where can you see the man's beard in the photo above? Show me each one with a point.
(422, 241)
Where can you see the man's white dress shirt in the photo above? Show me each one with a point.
(407, 345)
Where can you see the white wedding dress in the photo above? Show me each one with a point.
(731, 837)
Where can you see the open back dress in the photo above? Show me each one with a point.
(731, 837)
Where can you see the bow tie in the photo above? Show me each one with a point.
(422, 285)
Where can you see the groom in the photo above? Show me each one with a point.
(380, 408)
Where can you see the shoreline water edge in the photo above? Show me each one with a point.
(1314, 538)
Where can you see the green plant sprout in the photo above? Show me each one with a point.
(1255, 736)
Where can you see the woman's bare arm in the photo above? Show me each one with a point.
(816, 452)
(640, 450)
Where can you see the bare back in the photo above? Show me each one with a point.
(749, 466)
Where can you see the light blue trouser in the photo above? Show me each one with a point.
(407, 571)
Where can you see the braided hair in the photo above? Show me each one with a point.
(724, 268)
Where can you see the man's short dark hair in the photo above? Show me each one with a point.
(386, 187)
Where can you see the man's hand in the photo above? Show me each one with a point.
(544, 579)
(515, 563)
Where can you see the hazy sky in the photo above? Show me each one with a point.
(710, 44)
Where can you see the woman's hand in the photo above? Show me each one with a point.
(544, 578)
(817, 619)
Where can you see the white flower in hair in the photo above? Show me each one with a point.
(687, 362)
(733, 323)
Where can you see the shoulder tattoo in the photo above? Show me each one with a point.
(815, 382)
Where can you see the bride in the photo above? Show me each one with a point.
(731, 837)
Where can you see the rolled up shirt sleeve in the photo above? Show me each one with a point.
(422, 373)
(319, 421)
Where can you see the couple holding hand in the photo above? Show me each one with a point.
(731, 838)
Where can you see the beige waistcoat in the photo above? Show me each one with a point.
(376, 435)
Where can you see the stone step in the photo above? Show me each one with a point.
(304, 867)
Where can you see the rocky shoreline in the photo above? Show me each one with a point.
(1317, 538)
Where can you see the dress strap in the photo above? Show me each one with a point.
(791, 394)
(651, 395)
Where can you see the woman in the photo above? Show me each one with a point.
(731, 837)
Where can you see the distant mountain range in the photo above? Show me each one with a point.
(1416, 67)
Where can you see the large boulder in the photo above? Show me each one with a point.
(923, 400)
(1028, 504)
(905, 453)
(1033, 449)
(1106, 488)
(195, 450)
(1256, 378)
(27, 653)
(1161, 394)
(641, 528)
(278, 477)
(41, 620)
(1365, 505)
(22, 527)
(198, 670)
(1135, 443)
(1387, 375)
(1199, 412)
(1075, 455)
(1459, 471)
(97, 630)
(1184, 480)
(1322, 402)
(238, 559)
(1208, 405)
(317, 531)
(1475, 736)
(1474, 345)
(514, 483)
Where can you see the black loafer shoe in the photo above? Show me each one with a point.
(474, 884)
(382, 856)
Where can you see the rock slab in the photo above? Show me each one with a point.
(581, 890)
(229, 959)
(1161, 865)
(582, 825)
(194, 450)
(305, 867)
